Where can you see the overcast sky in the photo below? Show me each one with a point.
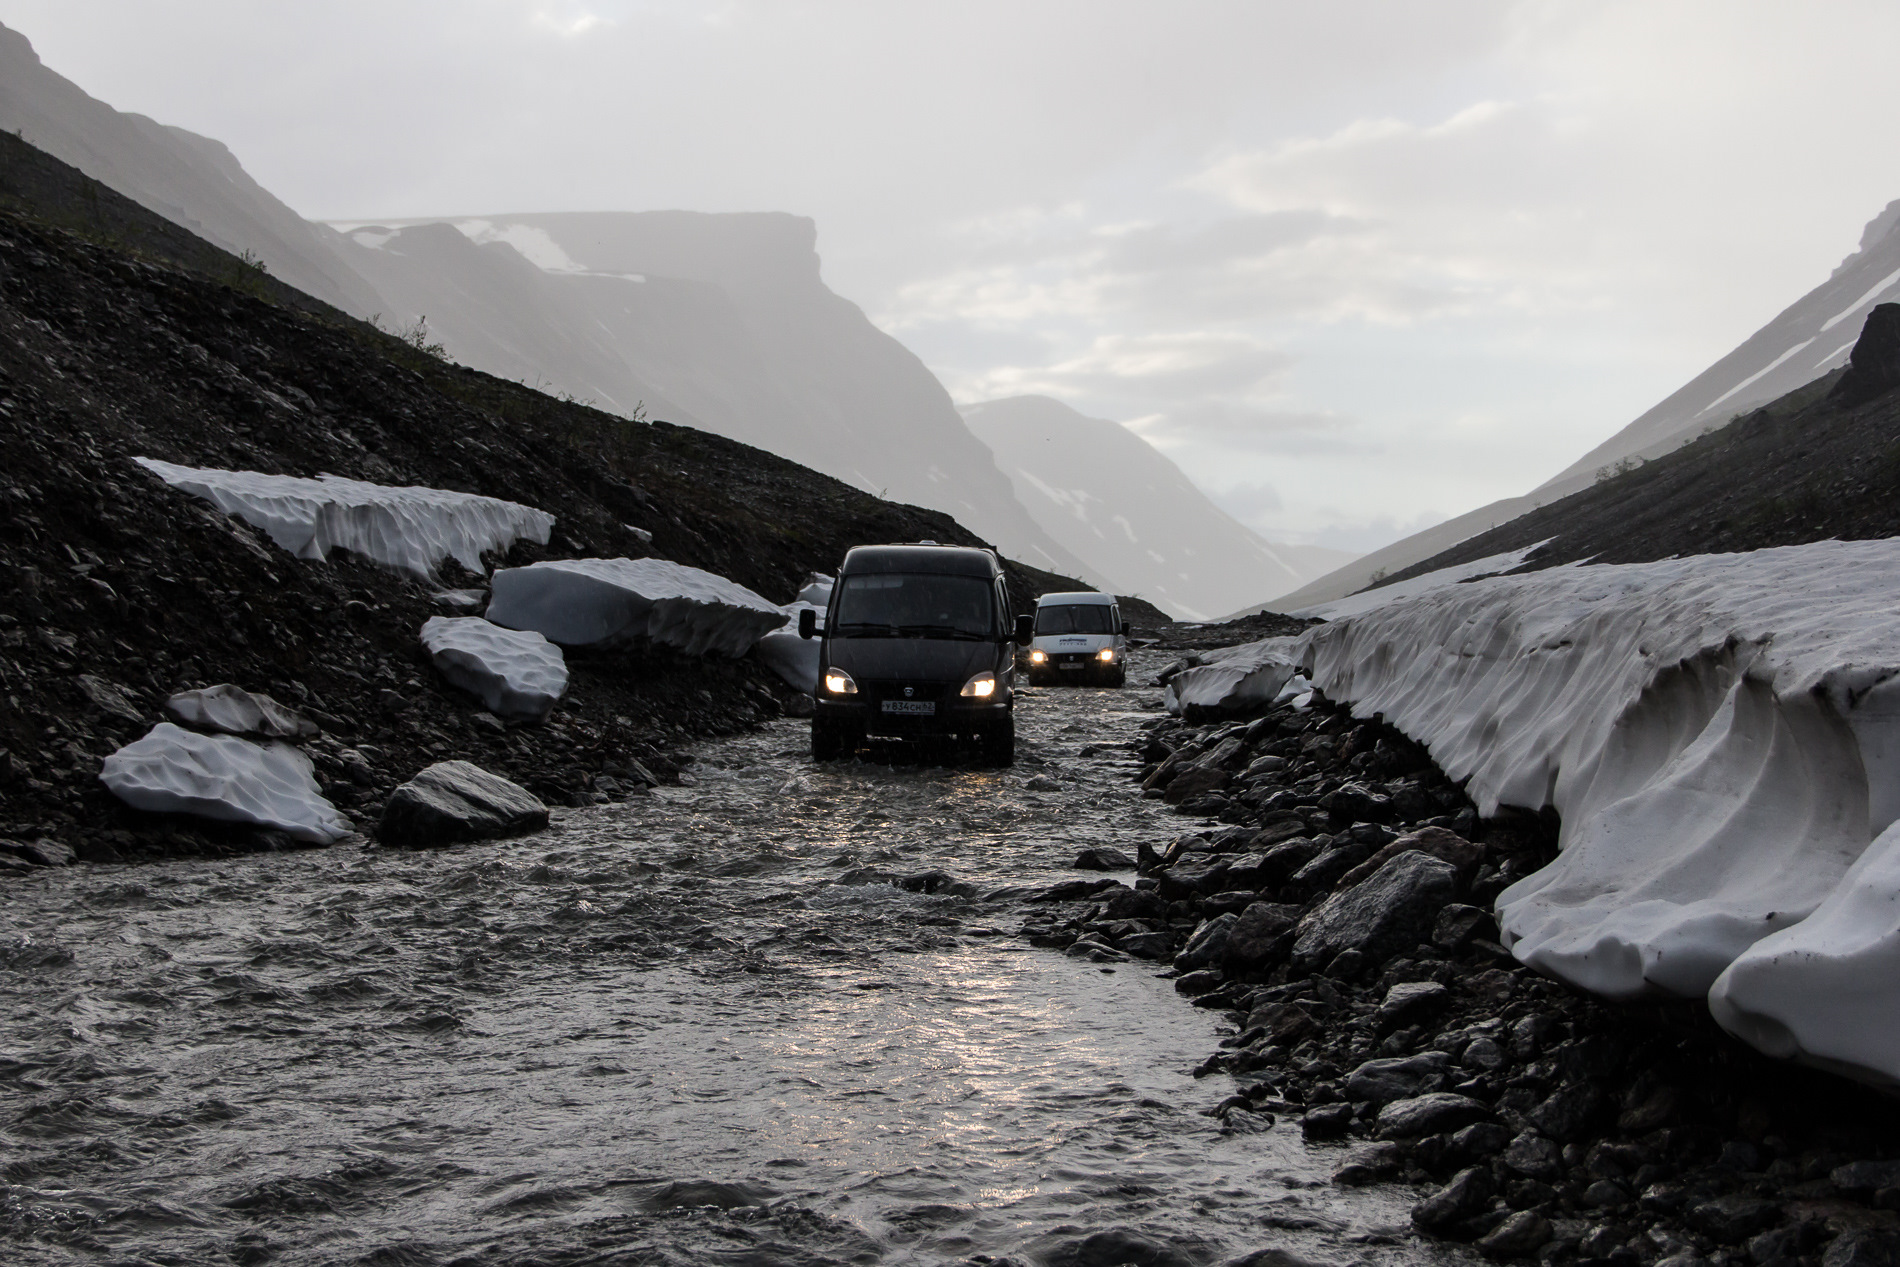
(1354, 266)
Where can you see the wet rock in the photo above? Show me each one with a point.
(1483, 1054)
(1394, 1078)
(1329, 1121)
(43, 852)
(1262, 933)
(1195, 781)
(1535, 1156)
(1411, 1001)
(1101, 858)
(1322, 874)
(1519, 1236)
(1568, 1113)
(1042, 783)
(1391, 911)
(1122, 1247)
(1371, 1165)
(232, 710)
(1190, 879)
(1436, 841)
(1864, 1178)
(1207, 945)
(1428, 1114)
(1469, 1192)
(1863, 1247)
(455, 801)
(1148, 945)
(1732, 1219)
(1355, 803)
(1127, 903)
(1785, 1244)
(1456, 925)
(1480, 1139)
(1075, 890)
(1605, 1194)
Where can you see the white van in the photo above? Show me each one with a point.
(1079, 638)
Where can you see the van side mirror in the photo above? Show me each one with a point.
(807, 623)
(1025, 630)
(1126, 628)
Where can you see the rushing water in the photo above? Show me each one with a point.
(694, 1027)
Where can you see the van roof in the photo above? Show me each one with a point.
(944, 560)
(1080, 598)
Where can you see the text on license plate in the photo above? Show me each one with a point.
(914, 707)
(1073, 664)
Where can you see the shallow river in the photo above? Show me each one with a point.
(670, 1030)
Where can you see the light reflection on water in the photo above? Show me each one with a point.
(658, 1033)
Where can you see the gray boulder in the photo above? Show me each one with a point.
(1390, 912)
(457, 800)
(1433, 1114)
(232, 710)
(1394, 1078)
(1208, 944)
(1259, 934)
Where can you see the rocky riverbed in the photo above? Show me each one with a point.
(777, 1013)
(1331, 897)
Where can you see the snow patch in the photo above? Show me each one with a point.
(793, 658)
(515, 673)
(1721, 735)
(412, 529)
(615, 602)
(176, 771)
(1236, 678)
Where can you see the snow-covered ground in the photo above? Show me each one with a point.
(412, 529)
(1721, 735)
(176, 771)
(793, 658)
(613, 602)
(515, 672)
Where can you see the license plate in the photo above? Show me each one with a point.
(1073, 664)
(912, 707)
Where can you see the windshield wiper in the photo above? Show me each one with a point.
(941, 631)
(864, 629)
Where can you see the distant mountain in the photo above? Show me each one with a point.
(717, 322)
(1808, 339)
(1113, 500)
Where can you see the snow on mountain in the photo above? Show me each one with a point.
(1808, 339)
(1721, 737)
(719, 322)
(1124, 509)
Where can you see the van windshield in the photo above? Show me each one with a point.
(1074, 618)
(914, 605)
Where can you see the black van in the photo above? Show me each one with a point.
(918, 641)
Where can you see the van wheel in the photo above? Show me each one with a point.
(1121, 676)
(829, 741)
(999, 743)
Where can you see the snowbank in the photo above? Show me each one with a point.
(793, 658)
(515, 673)
(175, 771)
(412, 529)
(1236, 678)
(1721, 735)
(612, 602)
(235, 711)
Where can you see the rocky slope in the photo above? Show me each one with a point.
(118, 590)
(1122, 507)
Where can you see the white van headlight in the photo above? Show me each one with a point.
(1106, 655)
(1038, 656)
(982, 686)
(838, 682)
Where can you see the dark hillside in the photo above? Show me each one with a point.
(1822, 462)
(116, 590)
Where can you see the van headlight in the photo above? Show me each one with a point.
(982, 686)
(1106, 655)
(1038, 656)
(838, 682)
